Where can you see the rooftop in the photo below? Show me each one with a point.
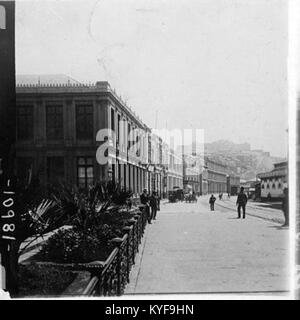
(61, 83)
(44, 79)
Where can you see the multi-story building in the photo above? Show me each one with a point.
(174, 170)
(274, 182)
(59, 135)
(156, 164)
(216, 176)
(81, 134)
(192, 173)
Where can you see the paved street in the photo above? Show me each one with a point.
(190, 249)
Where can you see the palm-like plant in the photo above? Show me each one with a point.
(84, 209)
(38, 216)
(42, 212)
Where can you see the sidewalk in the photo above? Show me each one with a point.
(191, 250)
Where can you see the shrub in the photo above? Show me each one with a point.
(74, 246)
(96, 216)
(35, 279)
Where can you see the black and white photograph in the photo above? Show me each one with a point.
(147, 149)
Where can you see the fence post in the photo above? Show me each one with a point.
(132, 222)
(127, 231)
(117, 242)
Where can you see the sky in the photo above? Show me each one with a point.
(217, 65)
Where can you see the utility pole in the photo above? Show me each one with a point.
(8, 213)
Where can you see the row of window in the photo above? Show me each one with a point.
(129, 134)
(55, 122)
(56, 169)
(85, 172)
(273, 186)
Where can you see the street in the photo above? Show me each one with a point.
(190, 249)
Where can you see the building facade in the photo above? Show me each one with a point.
(233, 184)
(60, 137)
(81, 134)
(192, 173)
(274, 182)
(216, 175)
(174, 170)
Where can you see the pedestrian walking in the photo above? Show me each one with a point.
(285, 207)
(212, 200)
(154, 204)
(241, 203)
(228, 196)
(146, 201)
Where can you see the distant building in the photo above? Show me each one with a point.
(191, 173)
(274, 182)
(174, 171)
(233, 184)
(216, 176)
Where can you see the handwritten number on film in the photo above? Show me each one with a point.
(8, 216)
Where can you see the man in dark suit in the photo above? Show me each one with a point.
(145, 201)
(285, 207)
(241, 203)
(154, 204)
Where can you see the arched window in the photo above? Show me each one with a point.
(279, 185)
(268, 186)
(273, 186)
(262, 186)
(2, 17)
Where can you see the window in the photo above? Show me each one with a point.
(54, 122)
(84, 121)
(112, 119)
(128, 136)
(25, 122)
(55, 169)
(273, 186)
(2, 18)
(119, 120)
(262, 186)
(279, 185)
(85, 172)
(268, 186)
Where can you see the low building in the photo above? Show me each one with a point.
(274, 182)
(233, 184)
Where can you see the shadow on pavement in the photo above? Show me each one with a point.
(271, 205)
(278, 227)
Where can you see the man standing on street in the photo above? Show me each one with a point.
(241, 203)
(154, 205)
(145, 201)
(212, 200)
(285, 207)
